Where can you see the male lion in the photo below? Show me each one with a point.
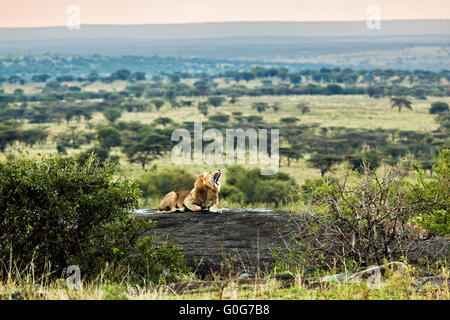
(205, 195)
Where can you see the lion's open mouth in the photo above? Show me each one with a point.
(216, 177)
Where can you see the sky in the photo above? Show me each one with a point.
(41, 13)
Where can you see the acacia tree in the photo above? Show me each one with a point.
(216, 101)
(323, 161)
(158, 103)
(400, 102)
(112, 114)
(260, 106)
(109, 137)
(147, 146)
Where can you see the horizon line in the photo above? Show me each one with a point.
(224, 22)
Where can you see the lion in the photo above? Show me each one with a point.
(205, 195)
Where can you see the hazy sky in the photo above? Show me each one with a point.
(38, 13)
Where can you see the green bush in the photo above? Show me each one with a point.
(248, 186)
(435, 195)
(156, 184)
(56, 212)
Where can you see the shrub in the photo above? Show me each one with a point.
(362, 218)
(56, 212)
(251, 187)
(158, 183)
(438, 107)
(435, 194)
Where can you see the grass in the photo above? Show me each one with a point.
(398, 285)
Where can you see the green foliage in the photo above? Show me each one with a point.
(220, 118)
(324, 161)
(371, 159)
(144, 146)
(216, 101)
(289, 120)
(249, 187)
(56, 212)
(435, 194)
(260, 106)
(49, 206)
(202, 107)
(112, 114)
(400, 102)
(438, 107)
(158, 103)
(109, 137)
(101, 153)
(159, 183)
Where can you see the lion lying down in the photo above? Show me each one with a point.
(205, 195)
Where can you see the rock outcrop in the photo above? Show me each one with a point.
(250, 236)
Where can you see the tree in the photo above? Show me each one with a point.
(138, 76)
(109, 137)
(122, 74)
(334, 89)
(438, 107)
(174, 78)
(233, 98)
(295, 78)
(444, 121)
(303, 108)
(147, 146)
(136, 89)
(40, 78)
(92, 77)
(289, 120)
(16, 79)
(247, 76)
(112, 114)
(290, 153)
(323, 161)
(275, 106)
(203, 108)
(220, 118)
(216, 101)
(163, 121)
(375, 92)
(370, 159)
(260, 106)
(400, 102)
(158, 103)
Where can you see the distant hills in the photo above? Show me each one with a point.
(406, 44)
(231, 30)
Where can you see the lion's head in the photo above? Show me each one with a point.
(210, 180)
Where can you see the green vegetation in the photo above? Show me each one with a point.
(434, 196)
(61, 206)
(55, 213)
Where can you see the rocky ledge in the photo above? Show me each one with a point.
(249, 235)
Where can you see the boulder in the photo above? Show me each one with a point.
(246, 237)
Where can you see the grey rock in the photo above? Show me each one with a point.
(250, 235)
